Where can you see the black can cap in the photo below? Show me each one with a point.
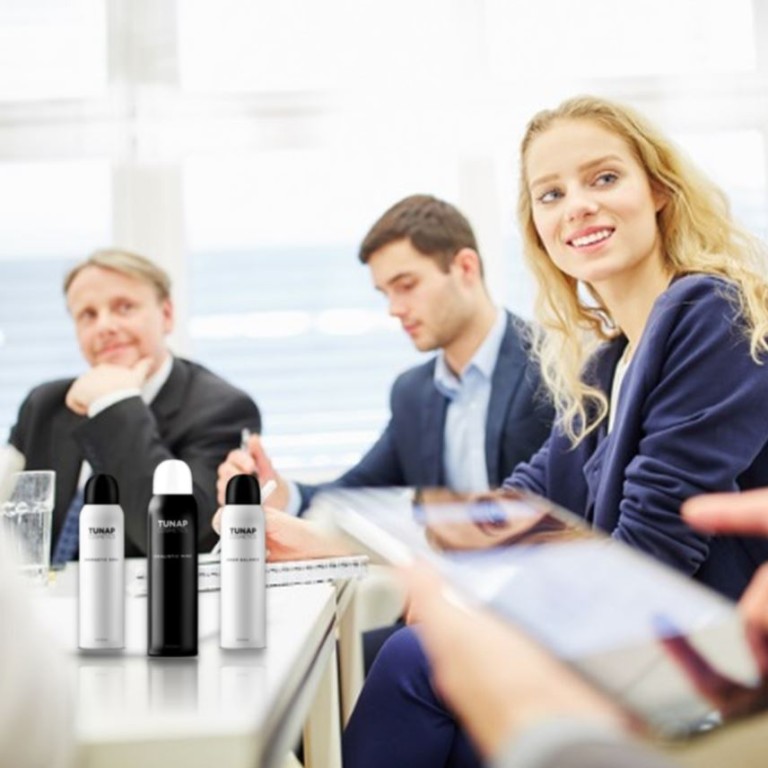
(101, 489)
(243, 490)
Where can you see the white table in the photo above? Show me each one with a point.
(223, 708)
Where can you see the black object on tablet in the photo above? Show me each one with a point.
(669, 649)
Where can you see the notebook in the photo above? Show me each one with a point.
(278, 574)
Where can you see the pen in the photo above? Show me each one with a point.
(245, 436)
(266, 492)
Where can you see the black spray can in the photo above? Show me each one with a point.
(172, 563)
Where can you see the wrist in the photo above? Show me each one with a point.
(103, 402)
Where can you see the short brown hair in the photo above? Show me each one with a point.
(126, 263)
(435, 229)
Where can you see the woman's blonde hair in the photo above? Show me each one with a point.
(697, 235)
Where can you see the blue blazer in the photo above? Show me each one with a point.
(691, 419)
(410, 450)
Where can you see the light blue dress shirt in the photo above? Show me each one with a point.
(464, 462)
(464, 438)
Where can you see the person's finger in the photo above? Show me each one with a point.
(427, 598)
(754, 602)
(237, 462)
(216, 522)
(262, 463)
(230, 466)
(75, 405)
(710, 683)
(418, 589)
(757, 638)
(743, 513)
(73, 401)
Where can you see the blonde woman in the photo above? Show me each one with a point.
(654, 314)
(654, 307)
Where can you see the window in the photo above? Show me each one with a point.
(280, 303)
(737, 161)
(369, 48)
(52, 49)
(605, 39)
(53, 213)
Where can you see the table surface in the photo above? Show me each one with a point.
(246, 706)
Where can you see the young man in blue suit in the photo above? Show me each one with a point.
(469, 415)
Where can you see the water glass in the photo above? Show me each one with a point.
(26, 521)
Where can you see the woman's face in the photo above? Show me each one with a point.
(593, 206)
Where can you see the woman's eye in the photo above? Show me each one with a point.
(606, 178)
(549, 196)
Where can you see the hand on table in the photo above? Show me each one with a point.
(292, 538)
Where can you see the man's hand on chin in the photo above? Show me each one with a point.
(104, 379)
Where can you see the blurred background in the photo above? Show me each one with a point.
(247, 146)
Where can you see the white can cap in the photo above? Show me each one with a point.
(172, 478)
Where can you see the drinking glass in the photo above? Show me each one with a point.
(26, 521)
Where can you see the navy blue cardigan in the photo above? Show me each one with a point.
(692, 418)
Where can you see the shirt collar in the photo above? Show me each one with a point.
(483, 361)
(156, 381)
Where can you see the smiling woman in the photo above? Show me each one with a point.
(654, 310)
(632, 248)
(611, 213)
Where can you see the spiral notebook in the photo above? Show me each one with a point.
(278, 574)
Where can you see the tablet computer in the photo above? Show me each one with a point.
(672, 651)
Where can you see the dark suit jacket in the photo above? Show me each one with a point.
(410, 450)
(691, 419)
(196, 417)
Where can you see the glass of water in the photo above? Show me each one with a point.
(26, 521)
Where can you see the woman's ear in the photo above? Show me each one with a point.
(660, 196)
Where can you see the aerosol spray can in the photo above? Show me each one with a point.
(101, 572)
(243, 566)
(172, 563)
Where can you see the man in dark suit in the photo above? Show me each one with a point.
(469, 415)
(134, 407)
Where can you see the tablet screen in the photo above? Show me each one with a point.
(671, 650)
